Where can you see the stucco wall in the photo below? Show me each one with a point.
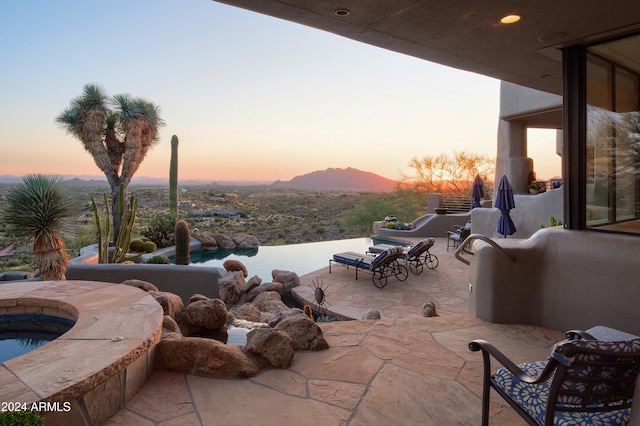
(183, 280)
(561, 280)
(530, 212)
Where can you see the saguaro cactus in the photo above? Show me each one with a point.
(182, 237)
(173, 178)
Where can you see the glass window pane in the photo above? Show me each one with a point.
(613, 139)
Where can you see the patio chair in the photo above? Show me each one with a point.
(415, 257)
(584, 381)
(454, 238)
(381, 266)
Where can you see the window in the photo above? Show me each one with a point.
(612, 155)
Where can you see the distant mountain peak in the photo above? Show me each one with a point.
(338, 179)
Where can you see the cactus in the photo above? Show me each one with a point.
(173, 178)
(182, 238)
(149, 246)
(103, 235)
(127, 220)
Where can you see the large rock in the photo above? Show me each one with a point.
(224, 242)
(276, 346)
(305, 333)
(272, 322)
(211, 314)
(197, 355)
(143, 285)
(287, 278)
(245, 241)
(171, 303)
(208, 242)
(235, 265)
(170, 329)
(252, 283)
(270, 301)
(247, 312)
(277, 287)
(230, 287)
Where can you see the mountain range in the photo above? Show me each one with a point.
(348, 179)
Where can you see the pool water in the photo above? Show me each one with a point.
(20, 334)
(299, 258)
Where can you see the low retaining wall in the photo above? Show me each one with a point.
(183, 280)
(561, 279)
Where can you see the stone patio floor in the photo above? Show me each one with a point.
(401, 370)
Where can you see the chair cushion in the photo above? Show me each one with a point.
(533, 399)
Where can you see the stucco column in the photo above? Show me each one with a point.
(511, 158)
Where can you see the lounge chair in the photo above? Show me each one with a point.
(588, 379)
(455, 238)
(415, 257)
(381, 266)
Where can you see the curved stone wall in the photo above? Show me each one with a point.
(96, 367)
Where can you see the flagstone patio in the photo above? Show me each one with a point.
(401, 370)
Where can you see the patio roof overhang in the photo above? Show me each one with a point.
(467, 34)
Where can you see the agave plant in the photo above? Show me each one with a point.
(37, 211)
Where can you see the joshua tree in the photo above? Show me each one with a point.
(117, 132)
(37, 211)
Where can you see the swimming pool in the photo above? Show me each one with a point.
(299, 258)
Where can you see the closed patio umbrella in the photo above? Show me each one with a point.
(477, 192)
(505, 202)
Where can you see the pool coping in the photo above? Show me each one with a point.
(96, 367)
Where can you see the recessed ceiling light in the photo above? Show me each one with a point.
(342, 12)
(510, 19)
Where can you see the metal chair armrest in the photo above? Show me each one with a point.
(489, 350)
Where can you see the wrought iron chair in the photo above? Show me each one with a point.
(454, 238)
(582, 382)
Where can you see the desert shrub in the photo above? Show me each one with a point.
(159, 260)
(136, 245)
(160, 229)
(149, 246)
(21, 418)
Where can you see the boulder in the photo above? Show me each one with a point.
(253, 282)
(224, 242)
(270, 301)
(230, 287)
(372, 314)
(274, 345)
(246, 312)
(210, 313)
(429, 310)
(208, 242)
(235, 265)
(277, 287)
(143, 285)
(287, 278)
(245, 241)
(272, 322)
(197, 355)
(171, 303)
(197, 297)
(305, 333)
(170, 324)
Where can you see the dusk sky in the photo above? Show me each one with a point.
(250, 97)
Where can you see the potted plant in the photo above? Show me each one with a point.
(535, 187)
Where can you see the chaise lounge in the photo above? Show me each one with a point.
(416, 257)
(381, 266)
